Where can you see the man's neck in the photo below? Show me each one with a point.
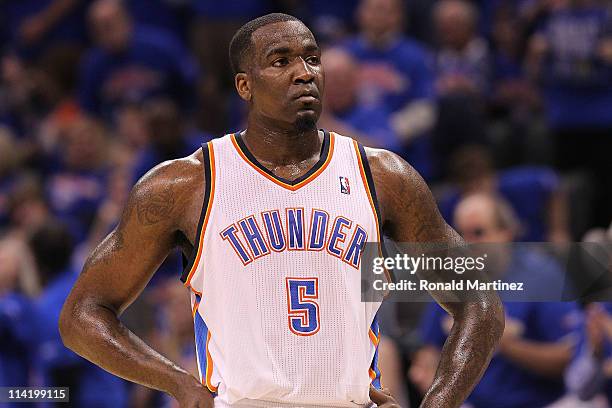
(279, 147)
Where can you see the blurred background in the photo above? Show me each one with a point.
(504, 107)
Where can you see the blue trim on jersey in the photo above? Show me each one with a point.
(376, 329)
(201, 333)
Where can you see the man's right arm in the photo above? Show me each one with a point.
(118, 270)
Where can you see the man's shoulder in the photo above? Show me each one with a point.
(385, 163)
(181, 176)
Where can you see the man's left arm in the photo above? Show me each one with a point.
(410, 215)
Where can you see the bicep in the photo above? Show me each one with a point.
(124, 262)
(409, 209)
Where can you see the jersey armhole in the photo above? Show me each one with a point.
(368, 181)
(191, 263)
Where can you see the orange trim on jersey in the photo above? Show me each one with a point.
(375, 339)
(209, 367)
(369, 193)
(275, 180)
(211, 155)
(372, 374)
(195, 308)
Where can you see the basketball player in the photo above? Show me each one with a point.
(272, 220)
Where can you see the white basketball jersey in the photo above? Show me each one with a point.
(275, 280)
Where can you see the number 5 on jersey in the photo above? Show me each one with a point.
(302, 294)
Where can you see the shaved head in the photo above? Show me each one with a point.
(241, 44)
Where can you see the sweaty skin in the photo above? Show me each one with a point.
(164, 207)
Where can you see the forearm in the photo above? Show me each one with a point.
(96, 333)
(466, 354)
(546, 359)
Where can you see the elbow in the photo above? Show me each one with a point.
(66, 325)
(495, 310)
(489, 311)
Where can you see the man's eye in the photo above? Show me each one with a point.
(281, 62)
(314, 60)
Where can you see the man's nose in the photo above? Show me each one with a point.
(304, 72)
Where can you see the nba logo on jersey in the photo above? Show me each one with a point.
(345, 187)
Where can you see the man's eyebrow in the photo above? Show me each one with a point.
(283, 49)
(312, 48)
(278, 50)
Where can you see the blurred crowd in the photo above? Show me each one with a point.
(504, 106)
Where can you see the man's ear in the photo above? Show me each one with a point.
(243, 86)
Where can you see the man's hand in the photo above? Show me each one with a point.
(382, 398)
(195, 395)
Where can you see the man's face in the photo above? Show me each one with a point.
(110, 26)
(454, 24)
(285, 75)
(379, 17)
(475, 221)
(341, 75)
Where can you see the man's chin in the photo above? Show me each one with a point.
(306, 121)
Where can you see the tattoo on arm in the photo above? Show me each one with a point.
(411, 216)
(158, 207)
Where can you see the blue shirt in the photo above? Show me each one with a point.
(373, 121)
(505, 384)
(95, 388)
(395, 75)
(528, 189)
(18, 336)
(586, 372)
(154, 64)
(578, 84)
(74, 197)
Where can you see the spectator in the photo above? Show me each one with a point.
(132, 63)
(214, 26)
(90, 386)
(132, 136)
(109, 211)
(342, 110)
(20, 99)
(462, 58)
(514, 102)
(536, 346)
(18, 286)
(27, 206)
(572, 55)
(534, 192)
(76, 186)
(590, 373)
(9, 158)
(462, 77)
(395, 72)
